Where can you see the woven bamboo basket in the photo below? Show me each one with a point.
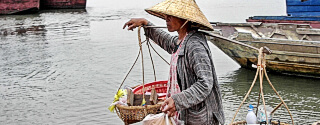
(133, 114)
(245, 123)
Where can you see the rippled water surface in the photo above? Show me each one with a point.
(63, 67)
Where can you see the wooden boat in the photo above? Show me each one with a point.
(63, 4)
(295, 47)
(19, 6)
(298, 11)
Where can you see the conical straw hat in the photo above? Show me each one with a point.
(184, 9)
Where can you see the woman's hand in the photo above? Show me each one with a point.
(135, 22)
(169, 107)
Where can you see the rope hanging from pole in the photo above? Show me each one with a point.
(129, 71)
(154, 70)
(140, 45)
(261, 71)
(159, 54)
(147, 41)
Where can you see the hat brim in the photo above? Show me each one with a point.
(193, 14)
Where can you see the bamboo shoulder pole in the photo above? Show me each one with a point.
(216, 36)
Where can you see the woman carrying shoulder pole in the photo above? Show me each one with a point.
(193, 94)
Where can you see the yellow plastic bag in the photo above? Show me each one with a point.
(158, 119)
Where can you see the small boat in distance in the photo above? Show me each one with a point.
(63, 4)
(33, 6)
(19, 6)
(295, 47)
(298, 11)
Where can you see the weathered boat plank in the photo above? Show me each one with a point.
(308, 31)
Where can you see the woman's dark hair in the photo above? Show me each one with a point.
(194, 26)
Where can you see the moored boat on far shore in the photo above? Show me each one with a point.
(63, 4)
(33, 6)
(19, 6)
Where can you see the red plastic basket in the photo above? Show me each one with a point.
(160, 87)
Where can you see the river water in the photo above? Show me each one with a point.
(64, 66)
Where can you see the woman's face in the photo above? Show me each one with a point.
(173, 23)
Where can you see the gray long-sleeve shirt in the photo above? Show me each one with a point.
(200, 100)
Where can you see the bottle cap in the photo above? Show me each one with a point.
(250, 106)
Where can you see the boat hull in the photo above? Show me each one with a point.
(21, 6)
(298, 11)
(63, 4)
(292, 57)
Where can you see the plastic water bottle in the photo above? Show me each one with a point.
(261, 114)
(251, 117)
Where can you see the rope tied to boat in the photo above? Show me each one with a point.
(261, 71)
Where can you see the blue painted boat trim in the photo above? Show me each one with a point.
(305, 14)
(303, 8)
(285, 18)
(305, 3)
